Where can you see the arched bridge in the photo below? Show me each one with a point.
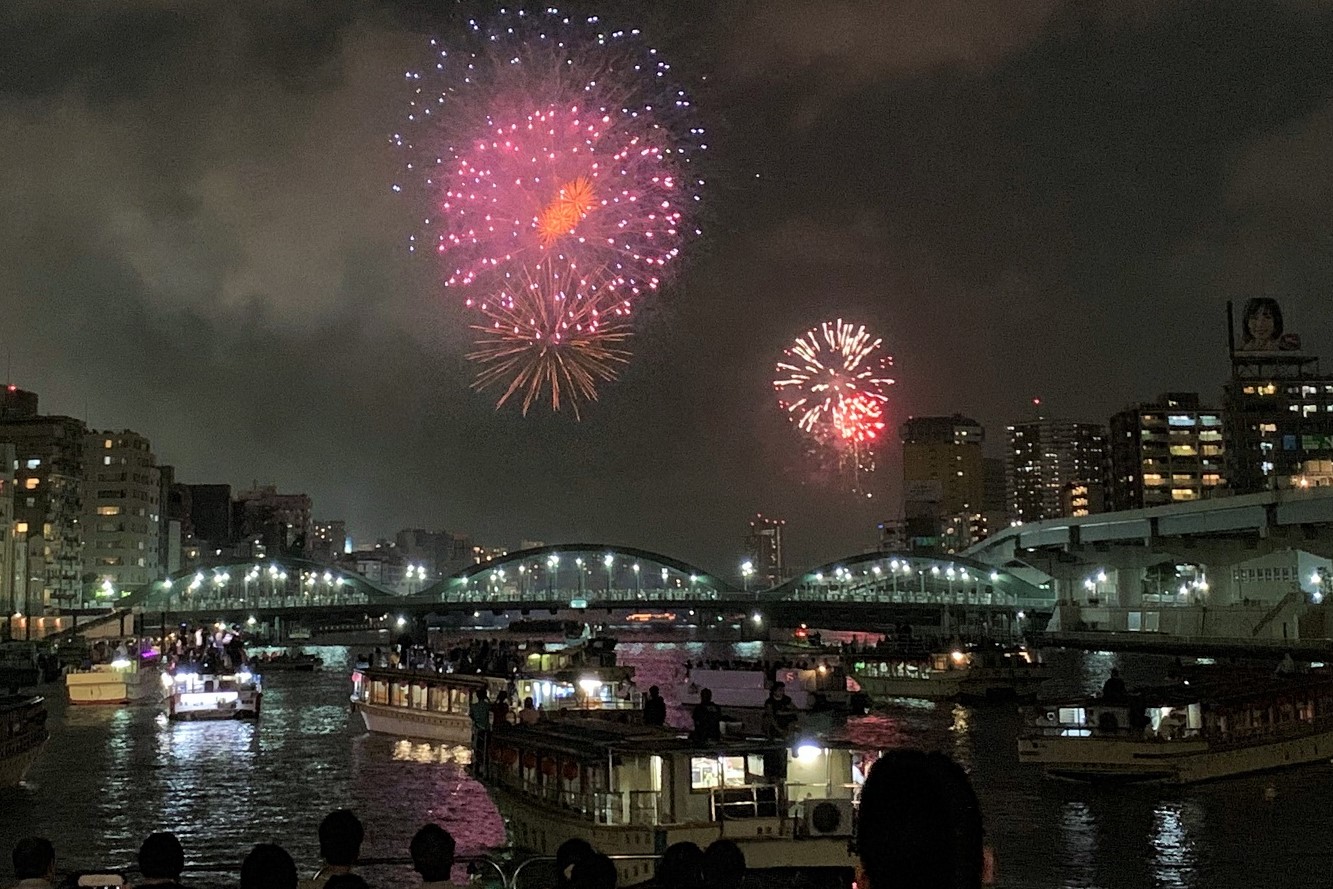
(854, 591)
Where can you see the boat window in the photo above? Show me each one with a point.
(708, 772)
(1073, 716)
(418, 696)
(459, 699)
(440, 699)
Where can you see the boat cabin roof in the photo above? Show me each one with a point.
(393, 674)
(1215, 691)
(584, 737)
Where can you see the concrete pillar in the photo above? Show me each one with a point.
(1128, 586)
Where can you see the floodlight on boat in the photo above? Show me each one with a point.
(120, 663)
(590, 685)
(808, 752)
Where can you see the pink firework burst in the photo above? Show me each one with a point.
(833, 382)
(544, 143)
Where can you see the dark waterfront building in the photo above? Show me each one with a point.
(17, 404)
(1167, 451)
(763, 546)
(1046, 457)
(210, 514)
(278, 522)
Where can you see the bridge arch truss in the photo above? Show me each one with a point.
(893, 578)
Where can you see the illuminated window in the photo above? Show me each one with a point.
(1183, 451)
(108, 510)
(30, 483)
(34, 463)
(21, 527)
(106, 443)
(707, 772)
(1183, 494)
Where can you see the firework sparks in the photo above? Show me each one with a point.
(542, 144)
(555, 333)
(832, 383)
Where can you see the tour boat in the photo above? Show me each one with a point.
(1183, 733)
(433, 705)
(817, 688)
(118, 682)
(634, 790)
(985, 673)
(22, 734)
(191, 695)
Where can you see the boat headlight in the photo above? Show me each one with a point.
(958, 657)
(590, 685)
(808, 752)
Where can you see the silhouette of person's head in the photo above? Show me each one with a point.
(920, 824)
(432, 851)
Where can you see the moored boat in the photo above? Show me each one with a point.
(22, 735)
(1184, 733)
(119, 682)
(979, 673)
(816, 688)
(433, 704)
(191, 695)
(635, 790)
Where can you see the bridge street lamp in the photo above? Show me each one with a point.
(552, 564)
(747, 569)
(578, 563)
(608, 560)
(638, 587)
(665, 574)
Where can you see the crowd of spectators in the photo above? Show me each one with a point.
(919, 826)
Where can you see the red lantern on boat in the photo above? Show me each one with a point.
(529, 760)
(548, 767)
(570, 770)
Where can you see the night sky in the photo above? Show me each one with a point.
(1024, 197)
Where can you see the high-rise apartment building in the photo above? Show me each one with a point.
(9, 547)
(1167, 451)
(48, 503)
(122, 521)
(763, 548)
(944, 481)
(1279, 418)
(1044, 457)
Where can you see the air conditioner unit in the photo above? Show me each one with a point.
(828, 817)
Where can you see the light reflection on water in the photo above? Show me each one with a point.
(110, 776)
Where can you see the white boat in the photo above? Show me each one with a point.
(631, 790)
(811, 689)
(983, 673)
(434, 705)
(1184, 733)
(22, 735)
(191, 695)
(118, 682)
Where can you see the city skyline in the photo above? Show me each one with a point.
(1037, 202)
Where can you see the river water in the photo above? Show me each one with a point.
(110, 776)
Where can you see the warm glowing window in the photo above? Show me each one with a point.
(21, 527)
(108, 510)
(1183, 494)
(707, 772)
(106, 443)
(30, 484)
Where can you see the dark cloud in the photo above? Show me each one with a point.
(1047, 198)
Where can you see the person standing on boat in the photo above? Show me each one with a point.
(1113, 690)
(780, 717)
(529, 715)
(480, 711)
(654, 707)
(707, 719)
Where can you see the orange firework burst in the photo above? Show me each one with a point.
(560, 217)
(554, 330)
